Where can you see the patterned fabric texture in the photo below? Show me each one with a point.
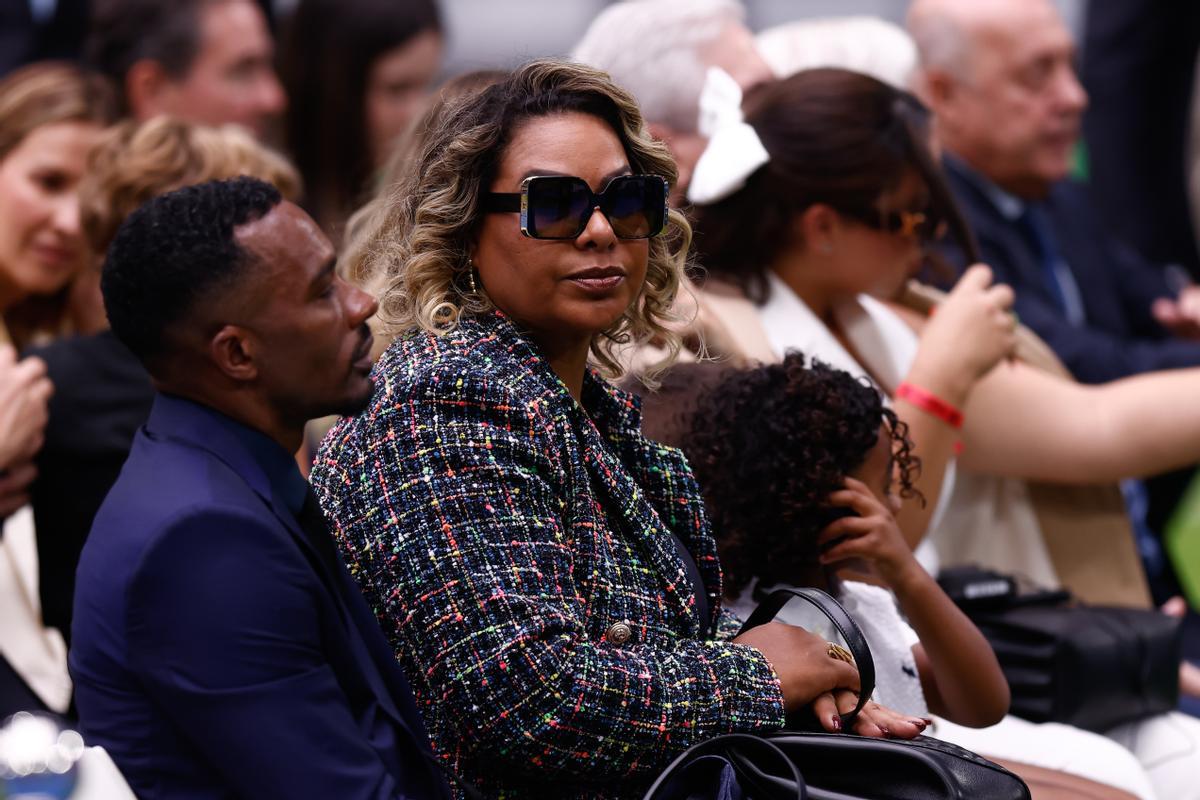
(501, 532)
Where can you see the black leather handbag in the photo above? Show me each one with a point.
(832, 766)
(1088, 666)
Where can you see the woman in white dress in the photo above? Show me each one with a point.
(809, 237)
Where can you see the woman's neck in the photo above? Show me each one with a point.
(10, 294)
(568, 359)
(807, 276)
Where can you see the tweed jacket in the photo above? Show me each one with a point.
(516, 547)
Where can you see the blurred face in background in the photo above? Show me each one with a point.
(41, 244)
(862, 257)
(232, 78)
(1014, 109)
(735, 52)
(397, 85)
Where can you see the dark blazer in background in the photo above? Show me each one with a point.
(216, 652)
(102, 395)
(24, 39)
(1120, 337)
(1139, 66)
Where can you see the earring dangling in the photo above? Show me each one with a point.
(471, 276)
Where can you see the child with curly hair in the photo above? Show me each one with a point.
(802, 469)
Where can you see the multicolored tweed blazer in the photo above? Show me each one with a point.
(515, 546)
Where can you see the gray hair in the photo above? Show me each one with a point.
(941, 39)
(863, 44)
(651, 48)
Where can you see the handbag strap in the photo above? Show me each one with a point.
(856, 643)
(756, 760)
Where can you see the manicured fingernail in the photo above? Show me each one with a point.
(920, 723)
(837, 723)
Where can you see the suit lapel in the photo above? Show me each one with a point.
(609, 474)
(643, 483)
(192, 425)
(359, 624)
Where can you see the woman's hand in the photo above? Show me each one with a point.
(24, 393)
(880, 721)
(971, 332)
(808, 675)
(871, 534)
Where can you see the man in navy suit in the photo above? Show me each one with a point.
(999, 76)
(220, 647)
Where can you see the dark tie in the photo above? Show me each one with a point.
(1037, 230)
(312, 522)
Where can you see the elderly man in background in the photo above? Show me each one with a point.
(999, 76)
(204, 61)
(666, 68)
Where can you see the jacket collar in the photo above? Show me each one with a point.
(265, 466)
(270, 471)
(610, 408)
(634, 473)
(1008, 205)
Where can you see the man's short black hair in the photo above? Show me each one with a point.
(123, 32)
(172, 252)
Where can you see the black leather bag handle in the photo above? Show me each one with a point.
(764, 771)
(856, 643)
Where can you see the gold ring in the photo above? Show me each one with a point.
(838, 653)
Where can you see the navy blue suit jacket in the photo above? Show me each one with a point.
(216, 653)
(1117, 287)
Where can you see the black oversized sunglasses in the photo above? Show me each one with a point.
(559, 207)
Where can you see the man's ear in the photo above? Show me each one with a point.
(937, 88)
(233, 352)
(148, 89)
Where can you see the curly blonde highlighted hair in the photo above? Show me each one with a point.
(137, 161)
(418, 253)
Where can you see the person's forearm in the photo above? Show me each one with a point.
(1021, 422)
(933, 443)
(964, 682)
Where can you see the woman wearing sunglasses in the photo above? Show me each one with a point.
(809, 246)
(545, 573)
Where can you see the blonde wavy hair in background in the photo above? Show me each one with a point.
(137, 161)
(406, 153)
(419, 253)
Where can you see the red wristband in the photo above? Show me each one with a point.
(930, 403)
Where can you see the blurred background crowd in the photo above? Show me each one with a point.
(106, 103)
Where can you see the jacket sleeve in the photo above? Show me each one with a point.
(1094, 355)
(464, 547)
(223, 632)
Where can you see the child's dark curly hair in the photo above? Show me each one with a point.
(769, 445)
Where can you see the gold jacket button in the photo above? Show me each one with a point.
(619, 633)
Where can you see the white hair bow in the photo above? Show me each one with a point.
(734, 150)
